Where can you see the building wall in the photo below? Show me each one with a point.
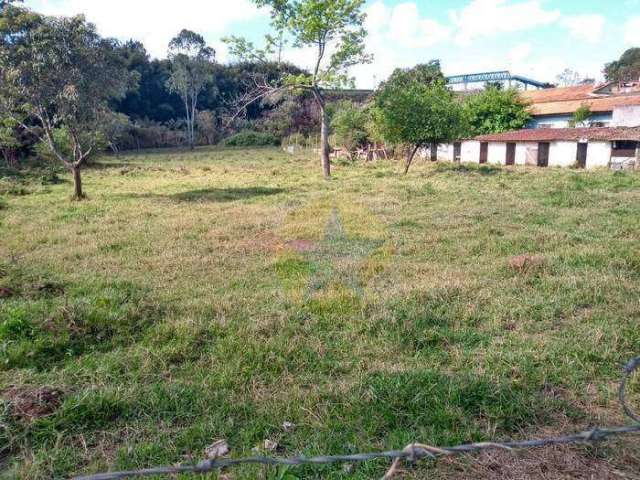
(598, 154)
(563, 121)
(563, 154)
(626, 116)
(497, 153)
(470, 152)
(445, 152)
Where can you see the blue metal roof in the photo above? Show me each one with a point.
(500, 76)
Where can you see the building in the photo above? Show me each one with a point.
(617, 148)
(611, 104)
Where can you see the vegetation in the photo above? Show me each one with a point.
(60, 72)
(248, 138)
(220, 293)
(350, 123)
(581, 116)
(191, 72)
(626, 69)
(321, 25)
(496, 111)
(414, 107)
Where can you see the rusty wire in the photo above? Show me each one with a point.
(412, 453)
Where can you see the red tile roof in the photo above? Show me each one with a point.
(555, 101)
(567, 134)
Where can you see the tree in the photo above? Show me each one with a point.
(349, 124)
(191, 71)
(418, 114)
(626, 69)
(570, 78)
(581, 115)
(62, 74)
(334, 30)
(496, 111)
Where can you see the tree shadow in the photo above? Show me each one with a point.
(225, 194)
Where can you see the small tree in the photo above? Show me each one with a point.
(581, 116)
(334, 30)
(349, 124)
(62, 74)
(496, 111)
(418, 114)
(191, 71)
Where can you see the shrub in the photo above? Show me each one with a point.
(249, 138)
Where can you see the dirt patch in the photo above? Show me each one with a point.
(301, 246)
(6, 292)
(265, 242)
(49, 288)
(28, 403)
(560, 463)
(526, 263)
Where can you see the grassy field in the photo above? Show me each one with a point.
(217, 294)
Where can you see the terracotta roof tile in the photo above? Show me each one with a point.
(579, 92)
(567, 134)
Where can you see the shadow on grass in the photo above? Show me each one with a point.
(464, 168)
(225, 194)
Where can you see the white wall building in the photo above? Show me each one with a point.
(616, 148)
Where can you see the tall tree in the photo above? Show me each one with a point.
(496, 111)
(418, 111)
(62, 74)
(191, 71)
(626, 69)
(334, 30)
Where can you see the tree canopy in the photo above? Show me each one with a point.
(417, 110)
(627, 68)
(496, 111)
(61, 73)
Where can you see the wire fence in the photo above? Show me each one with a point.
(410, 454)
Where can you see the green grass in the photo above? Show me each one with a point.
(220, 293)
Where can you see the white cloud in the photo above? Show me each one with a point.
(588, 27)
(484, 18)
(632, 31)
(399, 36)
(154, 22)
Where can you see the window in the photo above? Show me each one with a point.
(624, 148)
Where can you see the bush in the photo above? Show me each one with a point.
(249, 138)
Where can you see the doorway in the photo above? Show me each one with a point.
(457, 152)
(484, 152)
(543, 154)
(511, 154)
(581, 157)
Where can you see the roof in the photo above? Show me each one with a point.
(555, 101)
(566, 134)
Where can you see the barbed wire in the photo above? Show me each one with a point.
(411, 454)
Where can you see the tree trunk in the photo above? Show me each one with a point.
(410, 159)
(78, 194)
(324, 143)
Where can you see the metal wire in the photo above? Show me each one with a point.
(411, 453)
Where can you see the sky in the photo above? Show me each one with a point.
(534, 38)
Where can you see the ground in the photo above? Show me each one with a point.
(218, 294)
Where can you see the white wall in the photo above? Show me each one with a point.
(445, 152)
(470, 152)
(521, 154)
(563, 154)
(497, 153)
(626, 116)
(598, 154)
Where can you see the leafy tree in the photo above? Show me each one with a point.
(61, 73)
(9, 142)
(419, 114)
(626, 69)
(569, 78)
(191, 71)
(334, 30)
(496, 111)
(349, 124)
(581, 115)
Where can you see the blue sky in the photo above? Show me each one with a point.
(536, 38)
